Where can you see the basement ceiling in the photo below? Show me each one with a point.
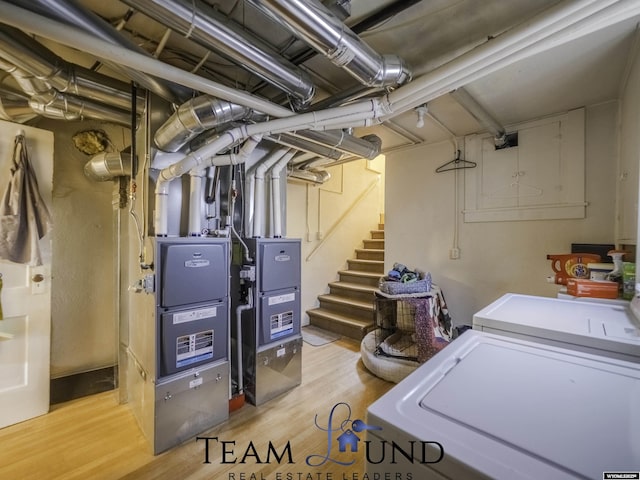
(426, 34)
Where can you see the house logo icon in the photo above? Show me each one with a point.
(339, 429)
(348, 439)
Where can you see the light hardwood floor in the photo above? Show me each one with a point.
(95, 438)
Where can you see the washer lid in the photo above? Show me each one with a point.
(580, 415)
(607, 326)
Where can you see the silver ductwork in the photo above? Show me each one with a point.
(69, 107)
(212, 30)
(311, 176)
(47, 101)
(14, 106)
(315, 24)
(298, 143)
(330, 144)
(26, 81)
(367, 147)
(108, 165)
(194, 117)
(29, 55)
(71, 13)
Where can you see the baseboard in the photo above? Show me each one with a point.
(79, 385)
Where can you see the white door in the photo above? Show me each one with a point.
(26, 297)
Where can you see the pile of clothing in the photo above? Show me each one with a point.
(400, 280)
(400, 273)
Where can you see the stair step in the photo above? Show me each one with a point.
(356, 276)
(360, 309)
(373, 266)
(377, 243)
(356, 291)
(377, 234)
(341, 324)
(370, 254)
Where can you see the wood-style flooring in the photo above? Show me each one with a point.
(95, 438)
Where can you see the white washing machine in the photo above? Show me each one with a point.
(503, 408)
(601, 328)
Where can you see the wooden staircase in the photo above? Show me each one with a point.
(348, 308)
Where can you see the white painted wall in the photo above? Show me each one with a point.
(312, 209)
(629, 152)
(496, 257)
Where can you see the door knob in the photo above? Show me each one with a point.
(37, 278)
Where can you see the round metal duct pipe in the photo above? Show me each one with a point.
(315, 24)
(212, 30)
(311, 176)
(108, 165)
(194, 117)
(32, 57)
(74, 14)
(367, 147)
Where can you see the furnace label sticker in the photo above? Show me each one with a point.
(197, 263)
(278, 299)
(192, 315)
(194, 348)
(281, 324)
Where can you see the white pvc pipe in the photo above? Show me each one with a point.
(72, 37)
(602, 19)
(513, 45)
(192, 162)
(404, 98)
(250, 182)
(206, 156)
(259, 196)
(371, 108)
(275, 193)
(195, 201)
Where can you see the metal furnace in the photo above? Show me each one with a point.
(192, 337)
(266, 296)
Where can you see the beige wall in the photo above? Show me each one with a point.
(83, 332)
(629, 152)
(495, 257)
(343, 210)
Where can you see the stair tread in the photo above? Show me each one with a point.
(370, 250)
(323, 312)
(365, 261)
(346, 300)
(359, 273)
(353, 286)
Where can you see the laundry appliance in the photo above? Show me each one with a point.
(602, 328)
(192, 383)
(270, 332)
(491, 406)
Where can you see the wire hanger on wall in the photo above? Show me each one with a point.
(456, 164)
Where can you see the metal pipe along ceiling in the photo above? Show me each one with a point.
(366, 147)
(212, 30)
(316, 25)
(14, 106)
(30, 56)
(48, 102)
(194, 117)
(75, 15)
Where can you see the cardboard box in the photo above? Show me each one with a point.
(581, 287)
